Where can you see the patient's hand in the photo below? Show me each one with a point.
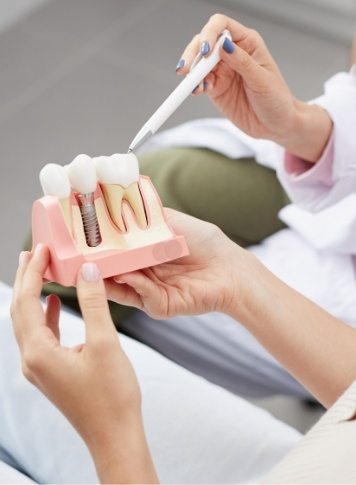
(93, 384)
(204, 281)
(248, 88)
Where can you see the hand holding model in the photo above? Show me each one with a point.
(248, 88)
(93, 384)
(204, 281)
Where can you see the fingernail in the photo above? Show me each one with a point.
(180, 64)
(22, 257)
(204, 48)
(90, 272)
(206, 84)
(38, 249)
(228, 46)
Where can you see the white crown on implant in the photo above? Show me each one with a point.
(82, 174)
(119, 168)
(54, 181)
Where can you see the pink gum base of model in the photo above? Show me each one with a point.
(143, 248)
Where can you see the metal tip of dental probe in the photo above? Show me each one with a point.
(138, 141)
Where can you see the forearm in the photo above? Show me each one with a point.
(312, 345)
(123, 456)
(308, 133)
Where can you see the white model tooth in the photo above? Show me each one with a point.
(55, 182)
(119, 168)
(119, 176)
(66, 168)
(82, 174)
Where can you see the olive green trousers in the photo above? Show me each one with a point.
(240, 196)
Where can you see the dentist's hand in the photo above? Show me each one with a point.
(248, 88)
(93, 384)
(207, 280)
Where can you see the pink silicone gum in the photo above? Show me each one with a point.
(49, 228)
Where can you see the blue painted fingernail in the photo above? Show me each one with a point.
(228, 46)
(204, 48)
(206, 84)
(180, 64)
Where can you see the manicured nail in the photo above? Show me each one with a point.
(90, 272)
(204, 48)
(206, 85)
(22, 257)
(180, 64)
(228, 46)
(38, 249)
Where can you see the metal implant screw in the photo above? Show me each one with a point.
(90, 219)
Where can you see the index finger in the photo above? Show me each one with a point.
(217, 24)
(206, 40)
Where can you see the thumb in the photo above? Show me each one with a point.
(93, 303)
(241, 62)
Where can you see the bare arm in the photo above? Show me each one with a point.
(309, 134)
(93, 384)
(315, 347)
(123, 456)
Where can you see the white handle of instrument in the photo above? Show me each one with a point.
(183, 90)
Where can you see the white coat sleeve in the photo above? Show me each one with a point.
(333, 177)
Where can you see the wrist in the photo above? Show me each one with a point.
(122, 454)
(308, 132)
(108, 431)
(243, 282)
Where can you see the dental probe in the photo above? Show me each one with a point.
(199, 70)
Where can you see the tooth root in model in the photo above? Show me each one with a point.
(82, 176)
(119, 176)
(54, 181)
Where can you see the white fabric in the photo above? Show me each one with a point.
(10, 475)
(217, 134)
(197, 432)
(333, 229)
(325, 278)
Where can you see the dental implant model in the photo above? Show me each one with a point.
(119, 176)
(82, 177)
(118, 223)
(55, 182)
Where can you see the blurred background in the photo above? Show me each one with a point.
(84, 75)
